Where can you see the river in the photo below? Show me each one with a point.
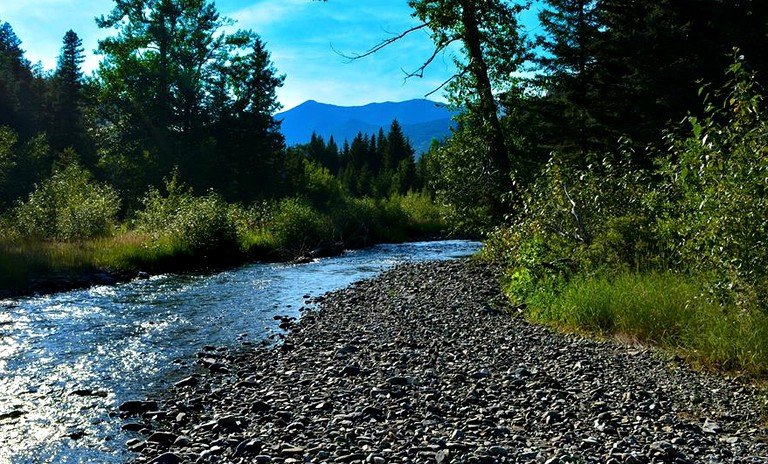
(67, 360)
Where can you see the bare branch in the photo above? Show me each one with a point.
(382, 44)
(447, 81)
(439, 48)
(583, 235)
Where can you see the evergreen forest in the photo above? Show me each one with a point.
(614, 160)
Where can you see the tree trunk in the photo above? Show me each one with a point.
(488, 108)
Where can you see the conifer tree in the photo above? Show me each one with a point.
(178, 90)
(68, 127)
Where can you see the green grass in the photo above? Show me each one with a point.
(663, 309)
(198, 240)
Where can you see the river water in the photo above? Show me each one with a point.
(67, 360)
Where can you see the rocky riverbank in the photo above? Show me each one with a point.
(419, 365)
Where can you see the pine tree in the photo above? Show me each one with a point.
(17, 101)
(179, 91)
(567, 74)
(68, 127)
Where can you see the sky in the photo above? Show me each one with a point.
(305, 39)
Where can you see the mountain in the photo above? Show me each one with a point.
(421, 120)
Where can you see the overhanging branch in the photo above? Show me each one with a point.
(382, 44)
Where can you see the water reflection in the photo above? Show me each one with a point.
(67, 360)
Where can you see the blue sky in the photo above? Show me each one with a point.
(301, 35)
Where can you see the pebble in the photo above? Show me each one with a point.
(422, 364)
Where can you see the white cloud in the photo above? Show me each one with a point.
(300, 34)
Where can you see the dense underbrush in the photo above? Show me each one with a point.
(70, 225)
(674, 255)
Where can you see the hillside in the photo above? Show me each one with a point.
(421, 120)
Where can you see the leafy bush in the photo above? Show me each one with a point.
(676, 256)
(702, 211)
(298, 228)
(715, 191)
(463, 179)
(321, 187)
(68, 206)
(195, 224)
(423, 215)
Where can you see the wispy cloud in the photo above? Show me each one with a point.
(302, 36)
(266, 13)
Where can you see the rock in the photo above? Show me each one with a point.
(135, 445)
(232, 423)
(400, 380)
(350, 458)
(350, 370)
(133, 408)
(497, 451)
(163, 439)
(260, 407)
(250, 446)
(213, 451)
(711, 427)
(190, 381)
(15, 414)
(89, 392)
(291, 451)
(134, 427)
(76, 433)
(167, 458)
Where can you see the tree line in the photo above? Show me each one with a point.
(371, 165)
(173, 91)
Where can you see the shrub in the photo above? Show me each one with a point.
(298, 228)
(68, 206)
(195, 224)
(715, 188)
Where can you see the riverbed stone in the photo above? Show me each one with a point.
(422, 364)
(135, 407)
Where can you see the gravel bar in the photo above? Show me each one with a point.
(420, 365)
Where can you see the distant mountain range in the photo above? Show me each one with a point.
(421, 120)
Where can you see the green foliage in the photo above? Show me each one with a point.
(196, 225)
(8, 139)
(68, 206)
(675, 256)
(664, 309)
(175, 86)
(715, 191)
(461, 179)
(298, 228)
(321, 187)
(703, 209)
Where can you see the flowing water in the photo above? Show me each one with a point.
(67, 360)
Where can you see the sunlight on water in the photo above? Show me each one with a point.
(68, 360)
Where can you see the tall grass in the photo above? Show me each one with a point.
(663, 309)
(181, 232)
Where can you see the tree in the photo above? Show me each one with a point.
(492, 49)
(18, 102)
(185, 93)
(614, 69)
(567, 74)
(68, 126)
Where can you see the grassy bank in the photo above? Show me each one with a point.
(666, 310)
(180, 232)
(670, 253)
